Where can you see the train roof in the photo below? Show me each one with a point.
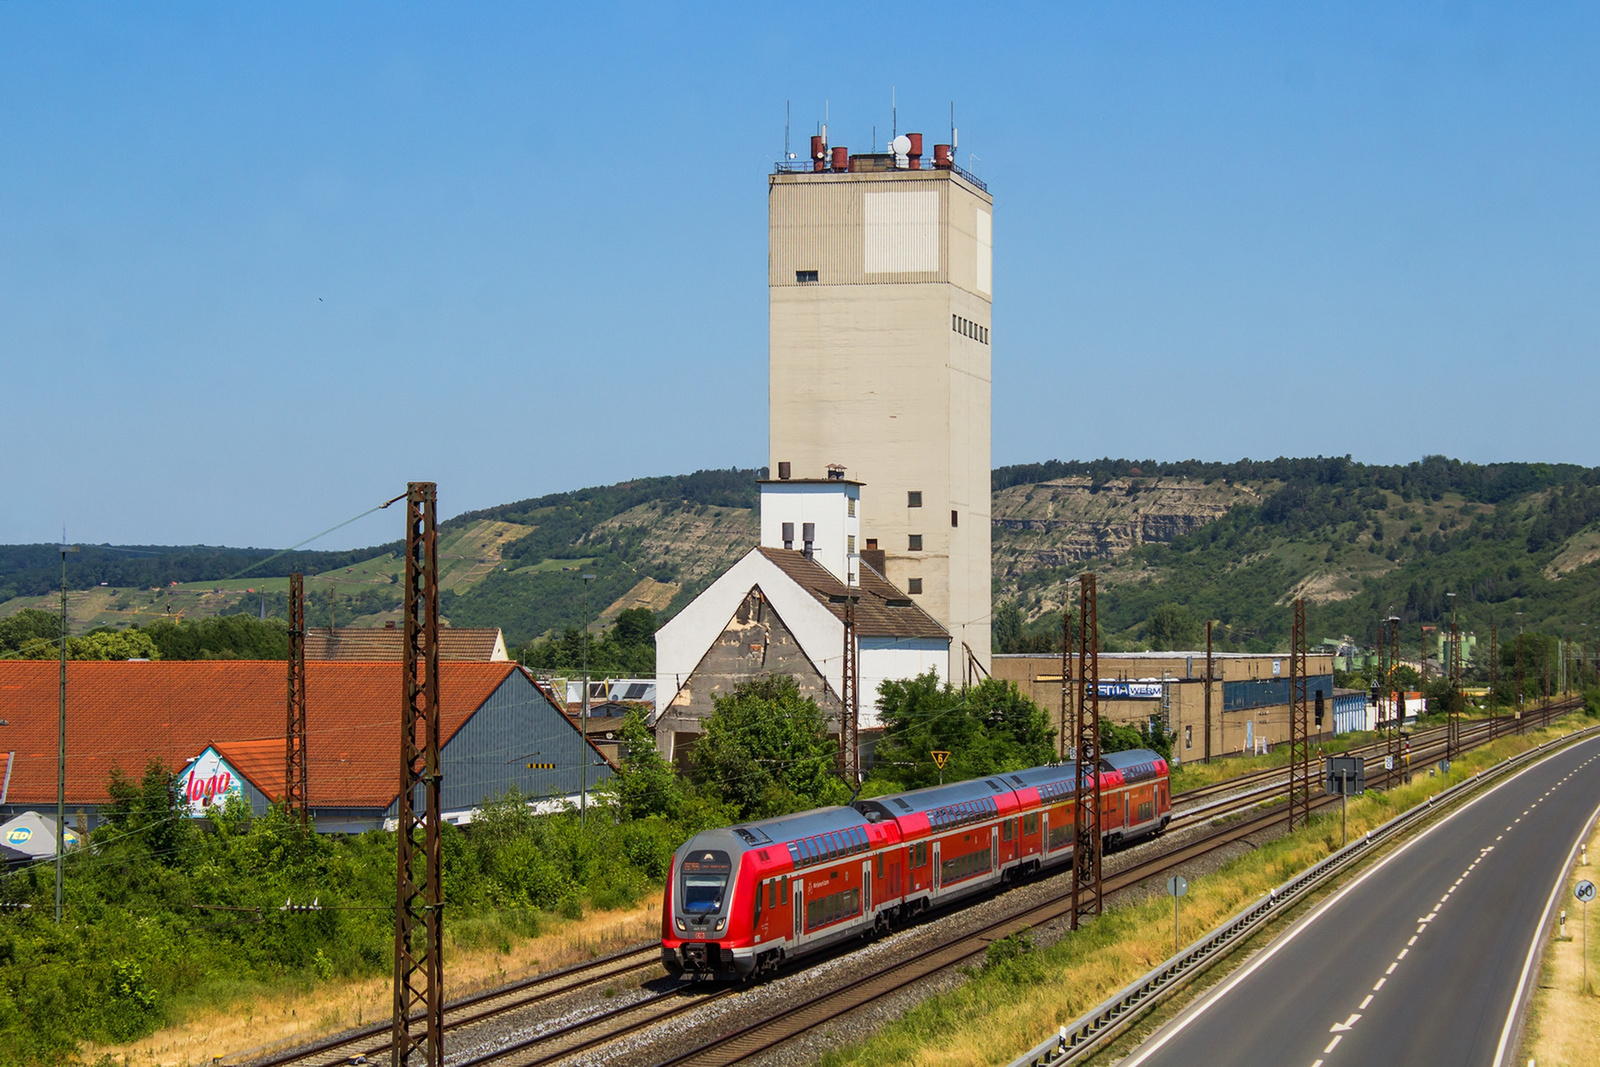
(785, 828)
(1136, 764)
(941, 803)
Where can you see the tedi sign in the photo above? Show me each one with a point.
(207, 781)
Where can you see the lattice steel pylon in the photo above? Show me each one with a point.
(1390, 663)
(1087, 887)
(419, 900)
(1494, 679)
(1067, 741)
(296, 799)
(850, 713)
(1299, 724)
(1452, 745)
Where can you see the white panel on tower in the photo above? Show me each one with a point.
(985, 253)
(902, 231)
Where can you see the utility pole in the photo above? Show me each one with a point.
(1208, 691)
(1299, 728)
(419, 903)
(295, 797)
(1521, 681)
(583, 707)
(1087, 887)
(1064, 737)
(61, 744)
(1494, 678)
(850, 699)
(1452, 745)
(1388, 662)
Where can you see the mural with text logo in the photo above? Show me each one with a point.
(207, 781)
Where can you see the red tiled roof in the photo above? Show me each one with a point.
(482, 644)
(126, 714)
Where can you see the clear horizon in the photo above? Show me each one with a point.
(245, 248)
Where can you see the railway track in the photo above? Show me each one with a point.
(372, 1041)
(1201, 792)
(561, 1040)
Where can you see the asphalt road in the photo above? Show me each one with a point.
(1420, 959)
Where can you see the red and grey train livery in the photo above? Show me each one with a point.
(747, 898)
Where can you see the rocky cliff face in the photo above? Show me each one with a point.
(1058, 523)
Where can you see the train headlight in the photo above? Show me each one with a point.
(681, 926)
(721, 923)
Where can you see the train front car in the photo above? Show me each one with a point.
(748, 897)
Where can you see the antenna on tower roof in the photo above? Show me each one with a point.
(953, 144)
(894, 116)
(786, 155)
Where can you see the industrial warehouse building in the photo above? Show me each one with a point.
(219, 724)
(1249, 694)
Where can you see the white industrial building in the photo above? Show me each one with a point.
(780, 610)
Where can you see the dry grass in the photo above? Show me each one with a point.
(1009, 1007)
(1564, 1021)
(254, 1024)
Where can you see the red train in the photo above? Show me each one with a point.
(747, 898)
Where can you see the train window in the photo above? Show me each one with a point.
(783, 892)
(1005, 830)
(772, 893)
(1030, 824)
(759, 895)
(808, 850)
(833, 845)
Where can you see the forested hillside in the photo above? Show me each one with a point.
(1173, 543)
(1357, 541)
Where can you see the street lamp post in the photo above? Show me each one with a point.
(61, 741)
(583, 706)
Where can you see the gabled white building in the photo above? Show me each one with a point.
(780, 610)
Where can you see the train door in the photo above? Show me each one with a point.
(866, 887)
(934, 876)
(994, 848)
(1127, 808)
(797, 896)
(1044, 832)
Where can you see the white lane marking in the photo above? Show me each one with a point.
(1316, 1062)
(1413, 940)
(1402, 954)
(1367, 1000)
(1333, 1044)
(1160, 1040)
(1538, 931)
(1458, 880)
(1379, 986)
(1339, 1028)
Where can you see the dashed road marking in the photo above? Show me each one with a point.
(1333, 1044)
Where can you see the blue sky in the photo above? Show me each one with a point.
(261, 264)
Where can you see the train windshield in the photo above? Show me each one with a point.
(705, 881)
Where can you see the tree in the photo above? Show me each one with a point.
(986, 728)
(28, 625)
(1171, 626)
(766, 751)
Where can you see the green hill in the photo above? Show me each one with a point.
(1173, 544)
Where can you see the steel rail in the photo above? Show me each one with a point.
(478, 1007)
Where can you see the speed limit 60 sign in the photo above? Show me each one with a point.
(1584, 891)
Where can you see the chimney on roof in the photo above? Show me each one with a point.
(808, 531)
(836, 472)
(783, 470)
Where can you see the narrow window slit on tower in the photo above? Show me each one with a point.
(805, 275)
(914, 498)
(914, 542)
(914, 585)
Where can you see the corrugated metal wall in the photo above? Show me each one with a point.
(516, 726)
(1265, 692)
